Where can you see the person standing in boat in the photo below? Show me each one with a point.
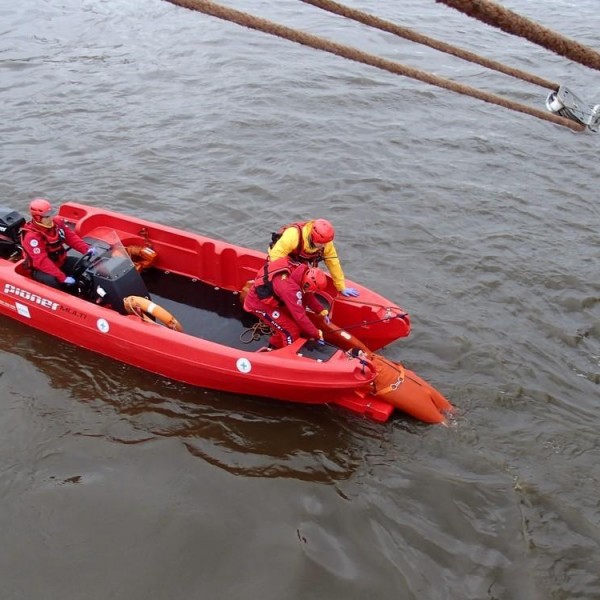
(45, 241)
(311, 242)
(279, 296)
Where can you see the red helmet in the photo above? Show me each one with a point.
(322, 232)
(40, 207)
(314, 280)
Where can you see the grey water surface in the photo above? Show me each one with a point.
(481, 222)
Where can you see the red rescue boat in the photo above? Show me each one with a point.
(168, 301)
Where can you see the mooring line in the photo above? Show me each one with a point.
(413, 36)
(502, 18)
(313, 41)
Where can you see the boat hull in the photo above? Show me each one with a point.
(297, 373)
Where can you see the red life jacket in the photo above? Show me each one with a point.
(299, 254)
(263, 280)
(54, 240)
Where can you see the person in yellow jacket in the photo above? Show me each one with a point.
(311, 242)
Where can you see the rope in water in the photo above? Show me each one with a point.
(306, 39)
(497, 16)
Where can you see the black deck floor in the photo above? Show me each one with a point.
(213, 313)
(204, 311)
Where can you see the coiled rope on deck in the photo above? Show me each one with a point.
(306, 39)
(497, 16)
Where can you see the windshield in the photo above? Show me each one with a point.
(107, 243)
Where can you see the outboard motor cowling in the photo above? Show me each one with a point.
(10, 227)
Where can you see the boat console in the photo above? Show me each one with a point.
(109, 276)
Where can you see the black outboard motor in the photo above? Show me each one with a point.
(10, 226)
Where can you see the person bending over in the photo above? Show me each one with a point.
(279, 296)
(311, 242)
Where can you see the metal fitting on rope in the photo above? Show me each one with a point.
(566, 104)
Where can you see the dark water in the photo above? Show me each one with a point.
(481, 222)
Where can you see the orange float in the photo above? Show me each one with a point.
(148, 311)
(393, 383)
(142, 256)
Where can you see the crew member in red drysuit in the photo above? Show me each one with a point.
(45, 241)
(280, 295)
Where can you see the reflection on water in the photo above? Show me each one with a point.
(240, 434)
